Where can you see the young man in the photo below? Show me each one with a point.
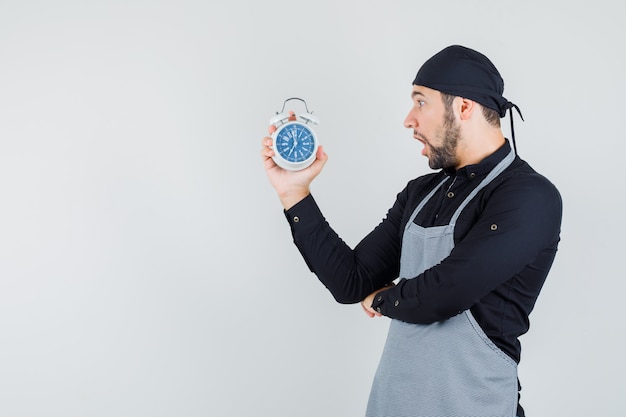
(471, 244)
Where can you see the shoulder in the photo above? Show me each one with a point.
(522, 187)
(521, 176)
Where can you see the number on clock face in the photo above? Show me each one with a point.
(295, 143)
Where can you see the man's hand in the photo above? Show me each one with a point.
(291, 186)
(366, 304)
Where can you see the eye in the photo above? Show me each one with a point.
(420, 103)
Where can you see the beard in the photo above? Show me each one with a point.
(448, 134)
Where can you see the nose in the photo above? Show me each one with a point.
(410, 122)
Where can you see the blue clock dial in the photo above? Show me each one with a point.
(295, 143)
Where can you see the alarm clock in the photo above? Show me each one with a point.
(295, 142)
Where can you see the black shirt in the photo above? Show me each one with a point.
(505, 242)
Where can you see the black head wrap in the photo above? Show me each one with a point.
(464, 72)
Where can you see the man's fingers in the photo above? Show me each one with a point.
(266, 149)
(367, 311)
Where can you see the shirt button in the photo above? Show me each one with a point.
(296, 219)
(450, 194)
(380, 298)
(396, 303)
(378, 309)
(472, 175)
(494, 227)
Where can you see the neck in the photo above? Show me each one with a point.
(475, 148)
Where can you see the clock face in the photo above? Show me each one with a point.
(295, 142)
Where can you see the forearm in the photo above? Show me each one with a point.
(521, 248)
(350, 275)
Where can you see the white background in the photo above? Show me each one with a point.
(146, 268)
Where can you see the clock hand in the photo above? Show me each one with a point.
(295, 143)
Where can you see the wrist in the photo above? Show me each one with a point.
(291, 198)
(378, 298)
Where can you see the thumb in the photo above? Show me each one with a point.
(321, 155)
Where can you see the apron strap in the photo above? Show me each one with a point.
(423, 202)
(502, 165)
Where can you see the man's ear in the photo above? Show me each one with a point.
(467, 108)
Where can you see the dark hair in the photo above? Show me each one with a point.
(491, 116)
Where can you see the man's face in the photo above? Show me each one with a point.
(434, 126)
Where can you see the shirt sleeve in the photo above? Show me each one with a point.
(349, 274)
(519, 224)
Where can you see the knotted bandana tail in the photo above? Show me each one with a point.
(510, 106)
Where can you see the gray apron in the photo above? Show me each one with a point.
(449, 368)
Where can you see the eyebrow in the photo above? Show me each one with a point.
(417, 93)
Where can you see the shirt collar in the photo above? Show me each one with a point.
(482, 168)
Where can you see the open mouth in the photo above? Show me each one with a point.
(422, 140)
